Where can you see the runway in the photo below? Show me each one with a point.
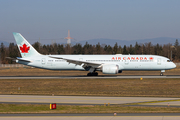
(89, 77)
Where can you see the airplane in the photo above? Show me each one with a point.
(107, 64)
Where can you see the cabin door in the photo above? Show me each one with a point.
(159, 61)
(43, 61)
(126, 62)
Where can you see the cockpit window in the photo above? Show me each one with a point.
(169, 61)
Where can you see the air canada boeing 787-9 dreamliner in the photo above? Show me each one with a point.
(107, 64)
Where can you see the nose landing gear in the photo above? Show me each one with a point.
(161, 74)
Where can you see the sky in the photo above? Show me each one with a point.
(47, 20)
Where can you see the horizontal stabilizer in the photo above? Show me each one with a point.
(23, 59)
(20, 59)
(14, 59)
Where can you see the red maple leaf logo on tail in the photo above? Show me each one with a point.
(24, 48)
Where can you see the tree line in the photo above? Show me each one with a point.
(167, 50)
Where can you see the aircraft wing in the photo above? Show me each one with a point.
(80, 62)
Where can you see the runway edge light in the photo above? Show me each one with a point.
(53, 106)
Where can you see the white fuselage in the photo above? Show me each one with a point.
(125, 62)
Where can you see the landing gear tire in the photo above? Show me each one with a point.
(95, 74)
(161, 74)
(92, 74)
(89, 74)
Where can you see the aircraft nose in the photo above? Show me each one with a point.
(174, 65)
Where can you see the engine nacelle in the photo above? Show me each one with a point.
(110, 69)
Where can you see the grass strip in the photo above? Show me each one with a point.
(162, 87)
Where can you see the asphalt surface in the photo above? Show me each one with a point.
(88, 77)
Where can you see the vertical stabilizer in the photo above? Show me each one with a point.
(24, 46)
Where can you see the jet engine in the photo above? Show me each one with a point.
(110, 69)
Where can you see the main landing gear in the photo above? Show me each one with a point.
(92, 74)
